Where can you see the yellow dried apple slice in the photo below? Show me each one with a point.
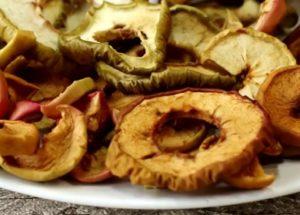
(134, 152)
(252, 176)
(18, 138)
(248, 54)
(61, 150)
(280, 97)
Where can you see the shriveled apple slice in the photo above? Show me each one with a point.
(4, 100)
(248, 54)
(92, 167)
(134, 152)
(280, 97)
(61, 150)
(272, 12)
(252, 176)
(73, 93)
(18, 138)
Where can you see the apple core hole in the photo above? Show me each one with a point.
(185, 134)
(295, 111)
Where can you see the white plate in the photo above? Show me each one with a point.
(124, 195)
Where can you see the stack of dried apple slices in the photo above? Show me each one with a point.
(74, 103)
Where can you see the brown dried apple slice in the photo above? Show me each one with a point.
(61, 150)
(135, 153)
(252, 176)
(18, 138)
(92, 167)
(248, 54)
(280, 97)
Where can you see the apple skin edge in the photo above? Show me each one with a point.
(4, 98)
(272, 13)
(23, 109)
(78, 174)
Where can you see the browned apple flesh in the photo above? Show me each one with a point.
(135, 152)
(280, 97)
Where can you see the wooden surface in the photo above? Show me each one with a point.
(16, 204)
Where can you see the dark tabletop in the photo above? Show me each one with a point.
(17, 204)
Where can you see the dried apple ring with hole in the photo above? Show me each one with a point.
(280, 97)
(249, 55)
(252, 176)
(18, 138)
(106, 37)
(134, 152)
(61, 150)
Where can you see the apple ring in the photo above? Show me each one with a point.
(134, 151)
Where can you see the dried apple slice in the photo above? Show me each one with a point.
(252, 176)
(92, 167)
(169, 77)
(272, 12)
(18, 138)
(96, 110)
(71, 94)
(18, 44)
(102, 36)
(61, 150)
(134, 152)
(280, 97)
(248, 54)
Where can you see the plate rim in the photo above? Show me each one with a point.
(15, 184)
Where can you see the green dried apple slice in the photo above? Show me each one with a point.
(167, 78)
(101, 35)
